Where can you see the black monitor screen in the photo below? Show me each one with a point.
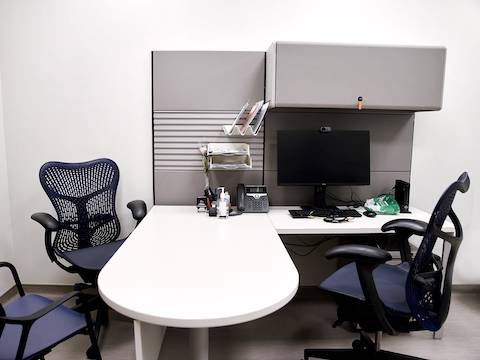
(313, 157)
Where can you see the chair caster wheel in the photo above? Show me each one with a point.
(357, 345)
(92, 354)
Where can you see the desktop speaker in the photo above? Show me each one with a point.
(402, 195)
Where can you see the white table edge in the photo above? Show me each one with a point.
(201, 323)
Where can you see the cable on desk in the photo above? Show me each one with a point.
(354, 201)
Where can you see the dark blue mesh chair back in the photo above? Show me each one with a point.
(83, 195)
(428, 287)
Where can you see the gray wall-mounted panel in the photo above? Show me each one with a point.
(207, 80)
(391, 139)
(309, 268)
(391, 135)
(183, 187)
(334, 76)
(195, 93)
(178, 132)
(380, 182)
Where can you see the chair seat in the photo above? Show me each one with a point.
(389, 280)
(47, 331)
(92, 258)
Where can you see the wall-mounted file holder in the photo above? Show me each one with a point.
(229, 156)
(248, 124)
(227, 130)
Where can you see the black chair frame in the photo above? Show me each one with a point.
(427, 274)
(26, 322)
(50, 177)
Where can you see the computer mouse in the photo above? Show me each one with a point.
(370, 213)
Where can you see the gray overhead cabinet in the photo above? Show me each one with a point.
(312, 75)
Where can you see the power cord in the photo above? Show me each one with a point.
(354, 201)
(314, 246)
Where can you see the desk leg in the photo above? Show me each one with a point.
(148, 340)
(199, 343)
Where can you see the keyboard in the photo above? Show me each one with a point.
(301, 214)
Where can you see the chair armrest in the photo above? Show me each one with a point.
(404, 229)
(407, 226)
(15, 276)
(20, 320)
(359, 253)
(138, 208)
(50, 225)
(46, 220)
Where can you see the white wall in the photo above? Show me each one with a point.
(77, 86)
(6, 251)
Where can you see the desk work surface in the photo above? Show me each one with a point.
(182, 268)
(284, 224)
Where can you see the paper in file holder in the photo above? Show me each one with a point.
(229, 156)
(247, 124)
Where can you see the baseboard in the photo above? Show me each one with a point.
(466, 289)
(7, 295)
(303, 293)
(52, 290)
(314, 292)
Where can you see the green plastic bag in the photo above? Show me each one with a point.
(384, 204)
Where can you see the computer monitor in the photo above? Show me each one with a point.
(323, 157)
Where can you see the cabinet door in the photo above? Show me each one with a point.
(207, 80)
(334, 76)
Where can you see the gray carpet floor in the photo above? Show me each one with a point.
(284, 334)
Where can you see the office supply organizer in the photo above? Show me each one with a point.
(247, 123)
(229, 156)
(227, 130)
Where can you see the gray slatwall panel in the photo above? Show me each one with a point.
(178, 135)
(179, 146)
(187, 157)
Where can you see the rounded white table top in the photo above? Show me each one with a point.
(182, 268)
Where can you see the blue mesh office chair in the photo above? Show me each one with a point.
(32, 325)
(408, 297)
(87, 228)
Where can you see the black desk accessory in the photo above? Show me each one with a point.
(402, 195)
(335, 218)
(212, 211)
(252, 198)
(370, 213)
(306, 213)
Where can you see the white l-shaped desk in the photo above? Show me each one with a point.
(181, 268)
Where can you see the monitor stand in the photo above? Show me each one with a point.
(319, 197)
